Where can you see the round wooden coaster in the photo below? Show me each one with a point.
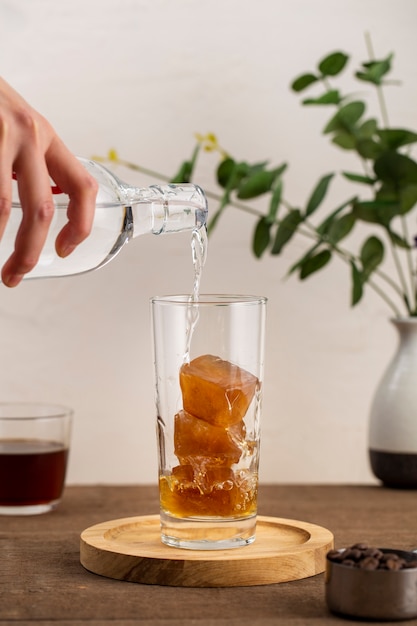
(131, 549)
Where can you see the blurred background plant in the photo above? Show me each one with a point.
(385, 189)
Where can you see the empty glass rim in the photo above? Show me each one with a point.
(33, 411)
(211, 299)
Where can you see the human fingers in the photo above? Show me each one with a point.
(7, 155)
(73, 179)
(37, 213)
(5, 193)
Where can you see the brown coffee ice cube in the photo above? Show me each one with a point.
(212, 491)
(205, 479)
(195, 438)
(216, 391)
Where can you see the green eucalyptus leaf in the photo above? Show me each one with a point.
(368, 129)
(278, 171)
(379, 62)
(363, 76)
(340, 228)
(359, 178)
(395, 168)
(256, 184)
(368, 148)
(371, 255)
(281, 169)
(243, 172)
(345, 140)
(357, 284)
(286, 229)
(374, 71)
(230, 173)
(388, 192)
(261, 237)
(225, 171)
(394, 138)
(186, 169)
(376, 211)
(275, 202)
(307, 255)
(397, 240)
(303, 81)
(330, 97)
(256, 167)
(184, 173)
(408, 198)
(346, 117)
(366, 211)
(314, 263)
(333, 64)
(318, 194)
(324, 227)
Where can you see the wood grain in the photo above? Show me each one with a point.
(130, 549)
(43, 583)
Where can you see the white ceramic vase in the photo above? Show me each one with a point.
(393, 419)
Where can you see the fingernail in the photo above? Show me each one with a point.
(65, 251)
(13, 280)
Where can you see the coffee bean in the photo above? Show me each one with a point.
(335, 555)
(386, 556)
(369, 558)
(372, 552)
(378, 554)
(369, 562)
(352, 553)
(394, 564)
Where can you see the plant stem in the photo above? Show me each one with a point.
(157, 175)
(345, 255)
(348, 256)
(382, 275)
(380, 94)
(134, 167)
(311, 233)
(411, 303)
(383, 295)
(400, 272)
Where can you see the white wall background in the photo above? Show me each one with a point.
(143, 76)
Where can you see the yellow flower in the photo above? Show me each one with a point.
(112, 155)
(209, 143)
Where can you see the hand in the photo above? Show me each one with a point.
(30, 148)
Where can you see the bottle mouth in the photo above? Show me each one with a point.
(202, 213)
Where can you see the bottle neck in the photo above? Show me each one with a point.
(161, 209)
(156, 209)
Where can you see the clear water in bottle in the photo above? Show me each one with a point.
(122, 213)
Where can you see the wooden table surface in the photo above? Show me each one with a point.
(42, 581)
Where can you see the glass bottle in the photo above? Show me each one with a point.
(122, 213)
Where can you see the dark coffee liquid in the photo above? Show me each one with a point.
(395, 469)
(31, 471)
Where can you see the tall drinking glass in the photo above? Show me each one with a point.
(209, 358)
